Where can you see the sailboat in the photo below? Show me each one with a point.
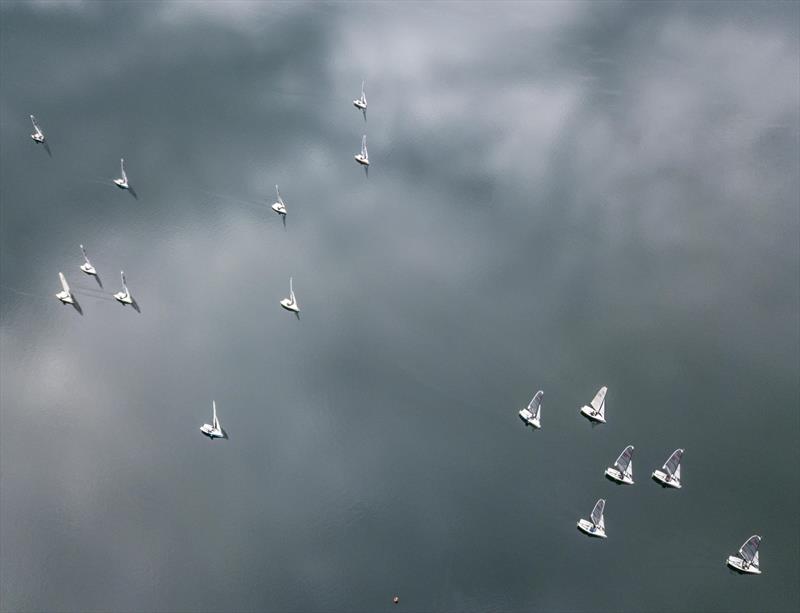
(87, 265)
(595, 525)
(622, 471)
(214, 429)
(279, 207)
(290, 303)
(37, 135)
(64, 295)
(532, 413)
(670, 473)
(363, 157)
(747, 560)
(597, 411)
(361, 103)
(124, 296)
(122, 182)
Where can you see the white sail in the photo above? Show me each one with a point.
(364, 153)
(749, 550)
(36, 126)
(625, 460)
(64, 284)
(122, 170)
(124, 286)
(673, 464)
(535, 405)
(214, 420)
(291, 292)
(599, 401)
(363, 95)
(597, 512)
(277, 191)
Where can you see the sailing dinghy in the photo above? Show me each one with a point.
(214, 429)
(124, 296)
(363, 157)
(290, 303)
(38, 135)
(279, 207)
(64, 295)
(747, 560)
(622, 471)
(87, 265)
(596, 413)
(532, 413)
(122, 182)
(670, 473)
(595, 525)
(361, 103)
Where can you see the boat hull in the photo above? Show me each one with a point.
(662, 478)
(359, 105)
(37, 138)
(89, 270)
(529, 419)
(65, 298)
(737, 564)
(590, 529)
(123, 298)
(121, 184)
(361, 160)
(279, 208)
(588, 413)
(617, 477)
(211, 432)
(287, 304)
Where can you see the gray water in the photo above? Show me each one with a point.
(561, 196)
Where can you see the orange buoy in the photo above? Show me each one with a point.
(396, 600)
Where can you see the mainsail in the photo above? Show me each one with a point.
(673, 463)
(535, 405)
(749, 551)
(624, 459)
(597, 511)
(599, 401)
(364, 147)
(122, 170)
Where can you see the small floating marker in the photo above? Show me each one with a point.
(396, 600)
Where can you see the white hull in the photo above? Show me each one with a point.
(361, 160)
(737, 564)
(289, 305)
(123, 298)
(589, 528)
(211, 432)
(529, 418)
(618, 477)
(37, 138)
(88, 269)
(664, 479)
(279, 208)
(359, 105)
(121, 184)
(65, 297)
(590, 414)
